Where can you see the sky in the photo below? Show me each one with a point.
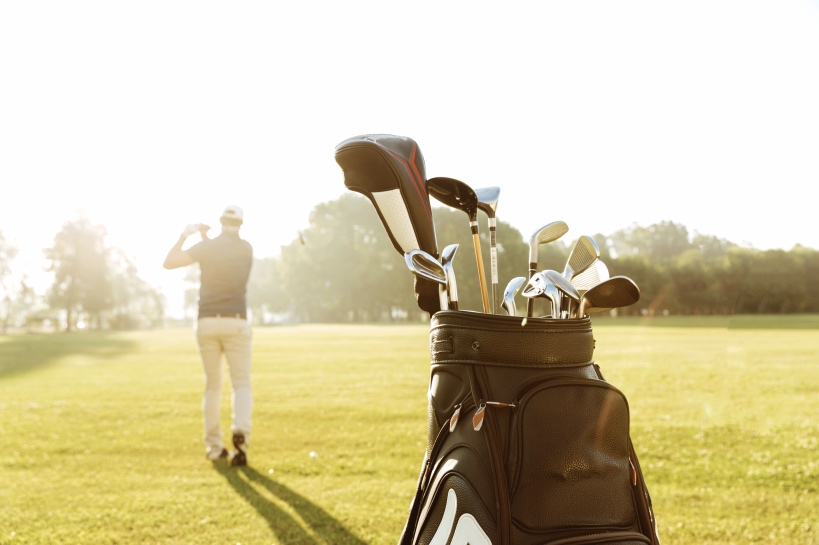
(146, 116)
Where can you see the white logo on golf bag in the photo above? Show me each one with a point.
(467, 531)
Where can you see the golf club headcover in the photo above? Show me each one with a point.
(389, 170)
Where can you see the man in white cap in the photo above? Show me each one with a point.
(222, 326)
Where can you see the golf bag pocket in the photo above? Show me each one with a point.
(569, 467)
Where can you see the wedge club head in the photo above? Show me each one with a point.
(540, 286)
(616, 292)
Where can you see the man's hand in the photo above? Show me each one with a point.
(190, 229)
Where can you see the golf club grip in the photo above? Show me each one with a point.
(481, 274)
(493, 260)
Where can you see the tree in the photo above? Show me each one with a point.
(660, 242)
(82, 277)
(264, 289)
(7, 254)
(135, 304)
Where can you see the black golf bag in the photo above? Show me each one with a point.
(527, 443)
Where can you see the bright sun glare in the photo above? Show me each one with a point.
(149, 116)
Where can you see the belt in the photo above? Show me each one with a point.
(236, 315)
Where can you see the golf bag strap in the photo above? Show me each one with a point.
(645, 509)
(415, 508)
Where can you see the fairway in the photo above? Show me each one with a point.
(101, 433)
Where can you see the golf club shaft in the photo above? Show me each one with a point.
(530, 304)
(476, 240)
(493, 260)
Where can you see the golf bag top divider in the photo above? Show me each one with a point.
(527, 443)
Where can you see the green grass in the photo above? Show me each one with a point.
(101, 433)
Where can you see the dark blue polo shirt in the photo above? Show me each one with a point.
(224, 265)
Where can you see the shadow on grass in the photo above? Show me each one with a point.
(288, 529)
(21, 354)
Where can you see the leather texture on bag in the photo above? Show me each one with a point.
(549, 463)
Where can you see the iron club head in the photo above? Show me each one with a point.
(447, 255)
(548, 233)
(569, 292)
(582, 255)
(592, 276)
(509, 295)
(423, 265)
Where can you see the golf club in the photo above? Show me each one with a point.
(509, 295)
(488, 202)
(569, 295)
(423, 265)
(582, 255)
(447, 255)
(616, 292)
(457, 194)
(548, 233)
(592, 276)
(389, 170)
(540, 286)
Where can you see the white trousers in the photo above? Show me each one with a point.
(231, 337)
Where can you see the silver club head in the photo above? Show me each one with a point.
(540, 286)
(509, 295)
(425, 266)
(554, 295)
(616, 292)
(548, 233)
(488, 199)
(592, 276)
(582, 256)
(569, 293)
(447, 255)
(535, 286)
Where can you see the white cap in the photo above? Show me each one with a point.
(234, 213)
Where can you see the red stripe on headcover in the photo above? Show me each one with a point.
(421, 186)
(415, 176)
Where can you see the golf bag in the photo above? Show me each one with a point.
(527, 443)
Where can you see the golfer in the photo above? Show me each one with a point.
(222, 326)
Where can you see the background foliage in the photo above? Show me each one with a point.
(343, 268)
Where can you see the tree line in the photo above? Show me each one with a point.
(343, 268)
